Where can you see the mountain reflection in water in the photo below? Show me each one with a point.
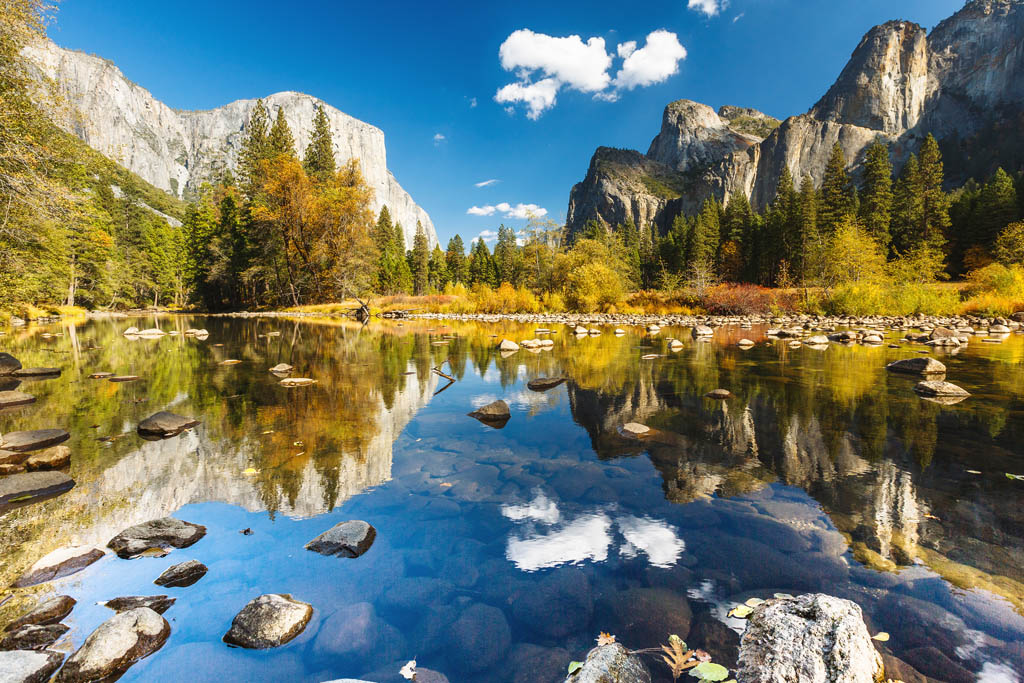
(822, 473)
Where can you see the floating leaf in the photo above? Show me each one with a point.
(250, 470)
(409, 670)
(574, 667)
(605, 639)
(973, 472)
(1015, 477)
(709, 671)
(881, 637)
(740, 611)
(753, 602)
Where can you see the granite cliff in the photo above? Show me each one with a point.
(963, 83)
(178, 151)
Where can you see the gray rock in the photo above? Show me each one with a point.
(268, 621)
(345, 539)
(921, 365)
(495, 414)
(611, 664)
(481, 636)
(9, 399)
(27, 486)
(157, 603)
(182, 575)
(720, 394)
(166, 532)
(164, 424)
(544, 383)
(281, 369)
(28, 666)
(702, 331)
(33, 440)
(508, 345)
(115, 645)
(36, 372)
(32, 637)
(940, 389)
(60, 562)
(811, 638)
(8, 364)
(55, 458)
(49, 612)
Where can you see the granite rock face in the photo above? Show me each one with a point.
(900, 84)
(115, 645)
(177, 150)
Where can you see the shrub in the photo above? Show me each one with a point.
(738, 300)
(593, 287)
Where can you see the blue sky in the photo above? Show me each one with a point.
(428, 73)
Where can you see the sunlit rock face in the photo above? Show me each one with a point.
(178, 151)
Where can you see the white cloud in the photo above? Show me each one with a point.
(487, 183)
(738, 17)
(438, 139)
(521, 211)
(582, 66)
(538, 96)
(653, 63)
(708, 7)
(472, 102)
(626, 49)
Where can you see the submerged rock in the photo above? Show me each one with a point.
(27, 486)
(157, 603)
(481, 635)
(55, 458)
(921, 365)
(115, 645)
(165, 424)
(9, 399)
(166, 532)
(812, 638)
(32, 637)
(940, 389)
(29, 666)
(297, 382)
(61, 562)
(8, 364)
(49, 612)
(269, 621)
(544, 383)
(720, 394)
(182, 575)
(35, 440)
(345, 539)
(495, 414)
(611, 664)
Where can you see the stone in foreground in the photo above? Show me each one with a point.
(811, 638)
(32, 637)
(702, 331)
(508, 345)
(157, 603)
(922, 365)
(55, 458)
(35, 440)
(345, 539)
(28, 666)
(165, 424)
(940, 389)
(8, 364)
(166, 532)
(115, 645)
(495, 414)
(27, 486)
(49, 612)
(268, 621)
(544, 383)
(182, 575)
(61, 562)
(9, 399)
(611, 664)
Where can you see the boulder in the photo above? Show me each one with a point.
(942, 333)
(166, 532)
(49, 612)
(481, 636)
(32, 637)
(817, 340)
(702, 331)
(940, 389)
(720, 394)
(55, 458)
(8, 364)
(544, 383)
(61, 562)
(165, 424)
(115, 645)
(345, 539)
(33, 441)
(495, 414)
(508, 345)
(182, 574)
(811, 638)
(29, 666)
(268, 621)
(27, 486)
(157, 603)
(12, 457)
(921, 365)
(281, 369)
(9, 399)
(611, 664)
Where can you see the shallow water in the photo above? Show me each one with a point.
(502, 553)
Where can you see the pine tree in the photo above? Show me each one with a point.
(934, 221)
(704, 239)
(505, 252)
(280, 141)
(458, 268)
(907, 209)
(254, 149)
(420, 261)
(438, 269)
(805, 259)
(319, 159)
(837, 197)
(482, 270)
(997, 208)
(876, 200)
(777, 243)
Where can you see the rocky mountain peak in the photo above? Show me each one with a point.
(693, 137)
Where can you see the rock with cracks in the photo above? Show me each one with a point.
(115, 645)
(345, 539)
(922, 365)
(812, 638)
(611, 664)
(49, 612)
(940, 389)
(60, 562)
(269, 621)
(29, 666)
(32, 637)
(166, 532)
(165, 424)
(182, 575)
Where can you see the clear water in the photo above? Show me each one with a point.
(502, 553)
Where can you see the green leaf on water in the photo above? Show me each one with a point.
(740, 611)
(709, 671)
(1015, 477)
(574, 667)
(881, 637)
